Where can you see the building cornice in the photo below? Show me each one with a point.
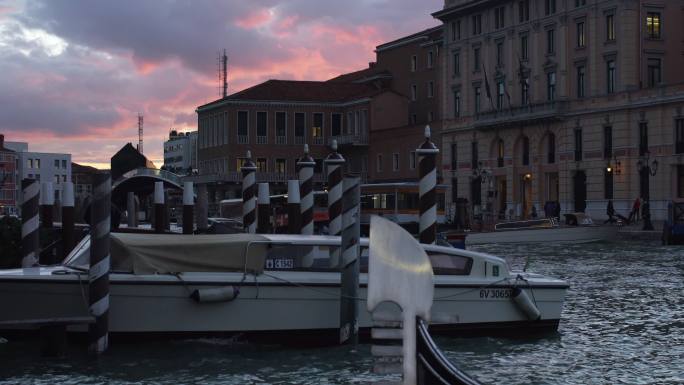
(279, 103)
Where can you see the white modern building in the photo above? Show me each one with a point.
(41, 166)
(180, 152)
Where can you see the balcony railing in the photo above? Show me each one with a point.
(299, 140)
(243, 139)
(355, 140)
(236, 177)
(318, 140)
(281, 140)
(262, 139)
(539, 111)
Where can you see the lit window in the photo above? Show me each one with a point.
(653, 25)
(581, 39)
(610, 27)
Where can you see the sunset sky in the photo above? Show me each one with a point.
(75, 74)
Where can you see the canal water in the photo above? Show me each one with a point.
(622, 323)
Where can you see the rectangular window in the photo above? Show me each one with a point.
(610, 76)
(458, 29)
(281, 127)
(499, 54)
(679, 136)
(608, 184)
(643, 138)
(653, 25)
(580, 3)
(414, 63)
(454, 156)
(476, 58)
(414, 118)
(500, 95)
(453, 31)
(350, 123)
(335, 124)
(243, 127)
(499, 18)
(299, 124)
(262, 127)
(457, 64)
(429, 59)
(477, 99)
(317, 128)
(549, 7)
(474, 156)
(378, 163)
(578, 144)
(413, 92)
(524, 43)
(580, 81)
(64, 163)
(524, 10)
(457, 104)
(610, 27)
(581, 39)
(240, 162)
(607, 142)
(412, 160)
(477, 24)
(654, 72)
(262, 165)
(395, 162)
(550, 41)
(551, 86)
(680, 181)
(281, 166)
(430, 89)
(56, 163)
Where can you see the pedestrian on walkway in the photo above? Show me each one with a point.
(610, 211)
(634, 214)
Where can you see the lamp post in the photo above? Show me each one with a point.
(485, 176)
(647, 168)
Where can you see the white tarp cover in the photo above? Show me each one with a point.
(174, 253)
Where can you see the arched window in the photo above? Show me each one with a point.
(500, 153)
(525, 151)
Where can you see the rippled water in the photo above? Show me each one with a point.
(623, 323)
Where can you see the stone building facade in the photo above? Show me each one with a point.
(563, 101)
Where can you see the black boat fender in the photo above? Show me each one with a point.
(217, 294)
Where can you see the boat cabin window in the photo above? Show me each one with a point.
(450, 264)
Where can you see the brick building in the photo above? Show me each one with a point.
(8, 179)
(554, 100)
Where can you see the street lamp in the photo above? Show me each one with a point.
(647, 168)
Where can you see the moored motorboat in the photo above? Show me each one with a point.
(242, 283)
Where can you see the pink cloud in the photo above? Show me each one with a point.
(255, 19)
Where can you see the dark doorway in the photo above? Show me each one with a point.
(644, 186)
(580, 190)
(476, 191)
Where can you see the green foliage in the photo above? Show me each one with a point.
(10, 242)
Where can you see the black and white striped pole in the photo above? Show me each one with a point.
(68, 237)
(98, 275)
(202, 208)
(427, 192)
(334, 163)
(264, 210)
(159, 207)
(249, 194)
(188, 208)
(351, 232)
(47, 200)
(130, 209)
(306, 173)
(30, 243)
(293, 207)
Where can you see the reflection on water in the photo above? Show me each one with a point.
(623, 323)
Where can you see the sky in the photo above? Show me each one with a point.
(74, 74)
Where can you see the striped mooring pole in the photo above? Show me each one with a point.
(249, 194)
(293, 207)
(188, 208)
(47, 200)
(30, 243)
(264, 210)
(334, 163)
(98, 275)
(159, 209)
(68, 238)
(351, 233)
(306, 172)
(427, 189)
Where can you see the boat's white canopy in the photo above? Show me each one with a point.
(170, 253)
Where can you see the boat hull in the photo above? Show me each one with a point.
(286, 303)
(579, 234)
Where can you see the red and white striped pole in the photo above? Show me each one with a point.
(249, 194)
(428, 189)
(334, 163)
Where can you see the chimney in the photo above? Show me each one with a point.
(371, 64)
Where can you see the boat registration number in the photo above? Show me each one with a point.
(280, 263)
(496, 293)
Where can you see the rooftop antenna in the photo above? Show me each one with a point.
(140, 133)
(224, 72)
